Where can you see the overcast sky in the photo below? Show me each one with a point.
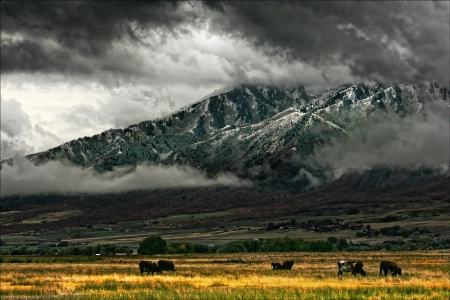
(72, 69)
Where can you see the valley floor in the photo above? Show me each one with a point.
(426, 275)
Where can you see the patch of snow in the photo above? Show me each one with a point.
(164, 156)
(329, 123)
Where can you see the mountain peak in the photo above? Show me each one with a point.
(245, 128)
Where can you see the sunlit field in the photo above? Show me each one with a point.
(226, 276)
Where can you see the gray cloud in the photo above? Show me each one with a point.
(14, 120)
(19, 136)
(15, 123)
(10, 147)
(86, 29)
(89, 27)
(31, 56)
(378, 40)
(411, 142)
(164, 55)
(84, 115)
(24, 178)
(122, 109)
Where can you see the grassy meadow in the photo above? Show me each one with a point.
(426, 275)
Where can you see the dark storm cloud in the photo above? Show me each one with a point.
(377, 40)
(85, 28)
(390, 41)
(30, 57)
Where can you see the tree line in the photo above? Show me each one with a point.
(157, 245)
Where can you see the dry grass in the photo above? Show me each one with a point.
(237, 276)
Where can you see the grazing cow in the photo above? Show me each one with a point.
(148, 266)
(351, 266)
(390, 266)
(276, 266)
(287, 265)
(166, 265)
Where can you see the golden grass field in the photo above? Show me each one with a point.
(228, 276)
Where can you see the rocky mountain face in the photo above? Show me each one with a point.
(261, 133)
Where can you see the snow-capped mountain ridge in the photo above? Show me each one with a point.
(243, 128)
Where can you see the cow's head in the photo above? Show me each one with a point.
(359, 269)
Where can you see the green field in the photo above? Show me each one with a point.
(426, 275)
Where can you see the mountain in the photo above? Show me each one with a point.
(262, 133)
(272, 137)
(153, 140)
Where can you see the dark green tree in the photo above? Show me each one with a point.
(200, 248)
(342, 244)
(152, 245)
(233, 247)
(179, 248)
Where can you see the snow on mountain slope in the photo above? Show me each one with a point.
(257, 132)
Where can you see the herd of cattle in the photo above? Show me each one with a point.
(151, 266)
(355, 267)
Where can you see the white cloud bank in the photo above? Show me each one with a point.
(386, 140)
(25, 178)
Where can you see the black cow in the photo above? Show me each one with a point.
(390, 266)
(287, 265)
(148, 266)
(351, 266)
(166, 265)
(276, 266)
